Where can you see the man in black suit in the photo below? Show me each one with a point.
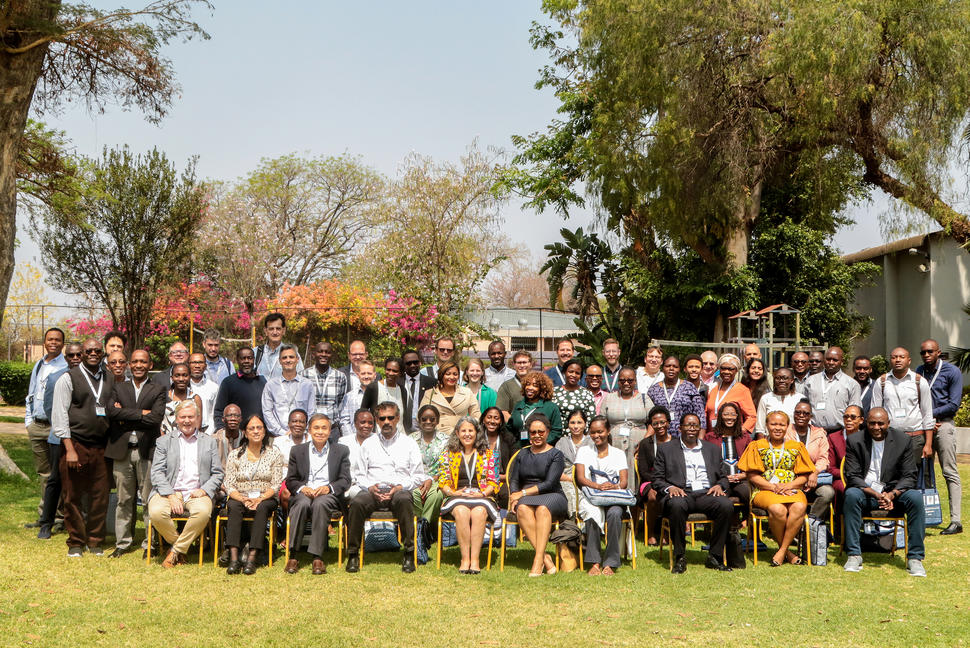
(136, 416)
(317, 478)
(880, 474)
(415, 384)
(689, 478)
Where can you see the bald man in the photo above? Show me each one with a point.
(136, 412)
(799, 367)
(905, 395)
(831, 391)
(751, 352)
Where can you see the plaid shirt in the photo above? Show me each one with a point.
(330, 389)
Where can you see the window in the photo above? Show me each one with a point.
(522, 344)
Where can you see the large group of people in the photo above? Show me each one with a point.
(263, 439)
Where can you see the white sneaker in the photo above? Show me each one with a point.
(915, 568)
(853, 564)
(75, 552)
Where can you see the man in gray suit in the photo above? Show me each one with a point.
(186, 473)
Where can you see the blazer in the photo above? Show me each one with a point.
(424, 384)
(817, 446)
(370, 400)
(125, 414)
(898, 464)
(463, 403)
(670, 469)
(165, 465)
(338, 463)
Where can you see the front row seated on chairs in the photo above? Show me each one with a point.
(689, 478)
(468, 479)
(880, 475)
(186, 473)
(253, 475)
(390, 468)
(535, 493)
(601, 468)
(777, 470)
(317, 477)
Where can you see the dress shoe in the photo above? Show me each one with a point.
(292, 565)
(45, 532)
(249, 568)
(32, 525)
(234, 567)
(171, 560)
(117, 553)
(680, 565)
(182, 559)
(407, 565)
(224, 558)
(353, 564)
(953, 529)
(319, 567)
(713, 563)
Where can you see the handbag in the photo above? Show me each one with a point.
(825, 478)
(932, 510)
(616, 497)
(818, 540)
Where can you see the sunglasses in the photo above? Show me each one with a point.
(386, 418)
(73, 355)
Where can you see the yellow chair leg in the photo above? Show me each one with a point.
(501, 558)
(148, 552)
(272, 539)
(438, 560)
(286, 551)
(215, 552)
(491, 537)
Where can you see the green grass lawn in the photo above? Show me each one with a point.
(47, 599)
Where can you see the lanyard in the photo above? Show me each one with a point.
(296, 392)
(828, 386)
(718, 401)
(867, 390)
(97, 394)
(251, 475)
(611, 385)
(939, 365)
(469, 464)
(899, 397)
(562, 381)
(316, 380)
(670, 397)
(776, 457)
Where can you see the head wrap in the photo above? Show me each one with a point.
(730, 358)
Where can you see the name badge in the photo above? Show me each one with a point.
(99, 411)
(819, 406)
(696, 486)
(254, 494)
(623, 431)
(899, 412)
(877, 486)
(774, 480)
(524, 435)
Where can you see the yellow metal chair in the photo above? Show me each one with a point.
(490, 526)
(510, 518)
(223, 517)
(628, 521)
(341, 537)
(206, 532)
(757, 517)
(878, 515)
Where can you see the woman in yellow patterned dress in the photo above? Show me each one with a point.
(777, 469)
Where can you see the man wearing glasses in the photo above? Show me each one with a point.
(594, 383)
(79, 419)
(357, 353)
(946, 389)
(444, 351)
(178, 353)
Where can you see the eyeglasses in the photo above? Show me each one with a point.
(117, 362)
(594, 377)
(386, 418)
(536, 432)
(440, 350)
(427, 419)
(92, 352)
(626, 380)
(802, 413)
(408, 363)
(690, 426)
(851, 417)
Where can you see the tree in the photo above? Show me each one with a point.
(439, 233)
(517, 283)
(312, 213)
(677, 118)
(129, 232)
(20, 325)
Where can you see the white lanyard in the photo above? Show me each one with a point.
(718, 401)
(776, 456)
(316, 380)
(868, 389)
(251, 475)
(611, 386)
(939, 365)
(899, 397)
(828, 386)
(562, 381)
(469, 465)
(296, 392)
(670, 397)
(97, 394)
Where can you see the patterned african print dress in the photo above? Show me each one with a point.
(778, 464)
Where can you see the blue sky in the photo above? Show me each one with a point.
(374, 79)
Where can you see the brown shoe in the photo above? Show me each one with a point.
(172, 559)
(182, 559)
(291, 566)
(319, 567)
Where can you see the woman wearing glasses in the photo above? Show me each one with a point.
(626, 409)
(852, 422)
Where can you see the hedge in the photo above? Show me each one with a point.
(15, 382)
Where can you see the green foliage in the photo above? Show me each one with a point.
(879, 365)
(962, 417)
(157, 345)
(15, 382)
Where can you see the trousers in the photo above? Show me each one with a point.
(320, 510)
(365, 503)
(909, 503)
(197, 509)
(614, 529)
(90, 480)
(718, 509)
(257, 529)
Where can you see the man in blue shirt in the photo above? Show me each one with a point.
(36, 420)
(946, 387)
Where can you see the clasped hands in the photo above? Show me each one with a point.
(714, 490)
(177, 504)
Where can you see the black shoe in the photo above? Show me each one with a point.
(680, 565)
(32, 525)
(45, 532)
(118, 553)
(224, 558)
(249, 568)
(714, 563)
(407, 565)
(234, 567)
(353, 564)
(953, 529)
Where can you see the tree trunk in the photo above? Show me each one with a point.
(737, 246)
(8, 467)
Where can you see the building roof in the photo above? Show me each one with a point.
(511, 319)
(889, 248)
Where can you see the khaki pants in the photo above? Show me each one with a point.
(197, 509)
(945, 446)
(131, 474)
(37, 434)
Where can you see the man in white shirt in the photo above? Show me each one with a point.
(497, 372)
(708, 368)
(363, 429)
(391, 467)
(906, 396)
(205, 388)
(649, 374)
(353, 398)
(799, 367)
(268, 354)
(357, 353)
(831, 391)
(36, 421)
(186, 474)
(296, 434)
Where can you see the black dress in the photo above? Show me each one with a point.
(543, 470)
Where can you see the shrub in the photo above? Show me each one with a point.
(15, 382)
(962, 417)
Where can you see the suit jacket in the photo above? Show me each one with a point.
(371, 399)
(163, 379)
(898, 464)
(338, 462)
(670, 469)
(128, 418)
(165, 465)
